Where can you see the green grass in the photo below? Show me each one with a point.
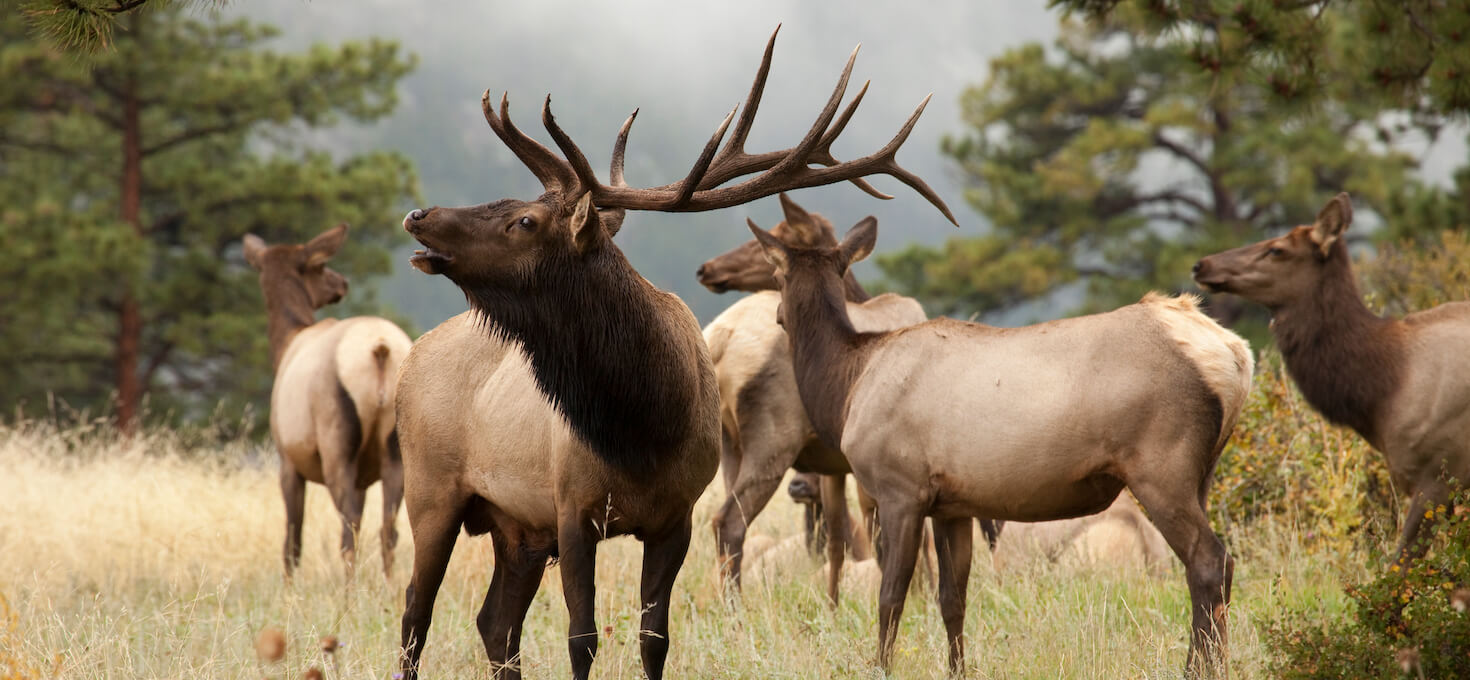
(152, 559)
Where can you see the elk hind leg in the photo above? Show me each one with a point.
(1177, 508)
(293, 491)
(753, 490)
(954, 547)
(901, 526)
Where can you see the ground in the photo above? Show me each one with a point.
(155, 558)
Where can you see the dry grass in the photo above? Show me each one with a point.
(147, 558)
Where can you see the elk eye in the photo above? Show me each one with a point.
(525, 222)
(1273, 252)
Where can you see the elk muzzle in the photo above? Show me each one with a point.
(427, 260)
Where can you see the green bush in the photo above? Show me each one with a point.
(1413, 621)
(1284, 460)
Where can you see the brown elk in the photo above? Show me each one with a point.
(1400, 383)
(332, 400)
(575, 402)
(764, 428)
(956, 420)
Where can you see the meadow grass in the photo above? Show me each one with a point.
(154, 558)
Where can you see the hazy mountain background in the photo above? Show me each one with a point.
(684, 65)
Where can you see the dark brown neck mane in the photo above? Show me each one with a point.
(1347, 361)
(827, 353)
(288, 309)
(603, 352)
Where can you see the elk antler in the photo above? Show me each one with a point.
(701, 189)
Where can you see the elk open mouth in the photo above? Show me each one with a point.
(1213, 285)
(430, 261)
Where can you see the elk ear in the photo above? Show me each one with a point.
(585, 223)
(325, 245)
(612, 219)
(1332, 221)
(860, 240)
(774, 250)
(254, 251)
(798, 219)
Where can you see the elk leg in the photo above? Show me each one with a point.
(868, 506)
(577, 545)
(1414, 539)
(900, 540)
(293, 490)
(1178, 510)
(990, 529)
(954, 547)
(516, 578)
(349, 500)
(834, 515)
(392, 473)
(662, 558)
(434, 530)
(751, 494)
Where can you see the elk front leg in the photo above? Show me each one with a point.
(662, 558)
(834, 516)
(900, 534)
(577, 546)
(392, 473)
(434, 522)
(954, 546)
(293, 490)
(1419, 522)
(753, 490)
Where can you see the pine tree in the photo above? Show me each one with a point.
(1108, 165)
(127, 180)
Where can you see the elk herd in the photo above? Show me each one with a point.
(575, 402)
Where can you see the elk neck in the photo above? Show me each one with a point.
(288, 310)
(1347, 361)
(608, 351)
(827, 353)
(852, 290)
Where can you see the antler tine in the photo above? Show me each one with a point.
(736, 145)
(888, 155)
(797, 158)
(620, 147)
(823, 151)
(554, 173)
(701, 165)
(575, 157)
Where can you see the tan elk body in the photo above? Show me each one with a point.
(764, 427)
(956, 420)
(1403, 384)
(576, 402)
(332, 400)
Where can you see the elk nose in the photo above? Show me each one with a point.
(699, 273)
(413, 216)
(1197, 266)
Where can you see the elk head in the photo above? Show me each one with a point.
(746, 268)
(812, 277)
(1278, 271)
(501, 244)
(299, 268)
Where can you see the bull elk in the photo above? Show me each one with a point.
(1402, 384)
(332, 399)
(575, 401)
(956, 420)
(764, 428)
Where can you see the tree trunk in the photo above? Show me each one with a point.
(129, 317)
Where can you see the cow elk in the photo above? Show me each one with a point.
(763, 426)
(332, 400)
(1403, 384)
(956, 420)
(575, 402)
